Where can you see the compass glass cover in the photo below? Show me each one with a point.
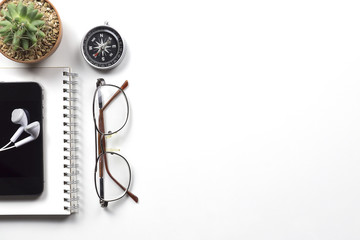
(103, 47)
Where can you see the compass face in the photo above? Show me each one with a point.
(103, 47)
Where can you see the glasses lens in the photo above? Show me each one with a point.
(111, 109)
(112, 176)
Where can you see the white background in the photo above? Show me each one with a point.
(245, 121)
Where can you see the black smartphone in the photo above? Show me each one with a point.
(21, 139)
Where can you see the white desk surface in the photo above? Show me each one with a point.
(245, 121)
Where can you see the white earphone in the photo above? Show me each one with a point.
(34, 130)
(20, 116)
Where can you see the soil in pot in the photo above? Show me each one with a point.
(44, 46)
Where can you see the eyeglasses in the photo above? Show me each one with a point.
(112, 175)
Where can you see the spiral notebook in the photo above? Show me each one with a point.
(60, 194)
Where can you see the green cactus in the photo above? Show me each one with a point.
(22, 26)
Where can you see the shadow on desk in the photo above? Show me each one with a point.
(42, 218)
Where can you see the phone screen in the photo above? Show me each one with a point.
(21, 161)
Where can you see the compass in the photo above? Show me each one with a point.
(102, 47)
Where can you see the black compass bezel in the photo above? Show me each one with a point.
(118, 56)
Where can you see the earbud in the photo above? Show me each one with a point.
(19, 116)
(34, 130)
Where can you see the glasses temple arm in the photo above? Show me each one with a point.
(101, 144)
(135, 198)
(125, 84)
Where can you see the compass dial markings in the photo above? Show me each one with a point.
(103, 47)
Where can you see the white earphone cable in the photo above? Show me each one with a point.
(4, 149)
(6, 145)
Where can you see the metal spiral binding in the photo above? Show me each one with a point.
(71, 140)
(71, 174)
(70, 124)
(71, 132)
(70, 90)
(70, 157)
(68, 82)
(71, 149)
(70, 116)
(72, 208)
(71, 190)
(69, 99)
(70, 107)
(71, 182)
(74, 165)
(71, 200)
